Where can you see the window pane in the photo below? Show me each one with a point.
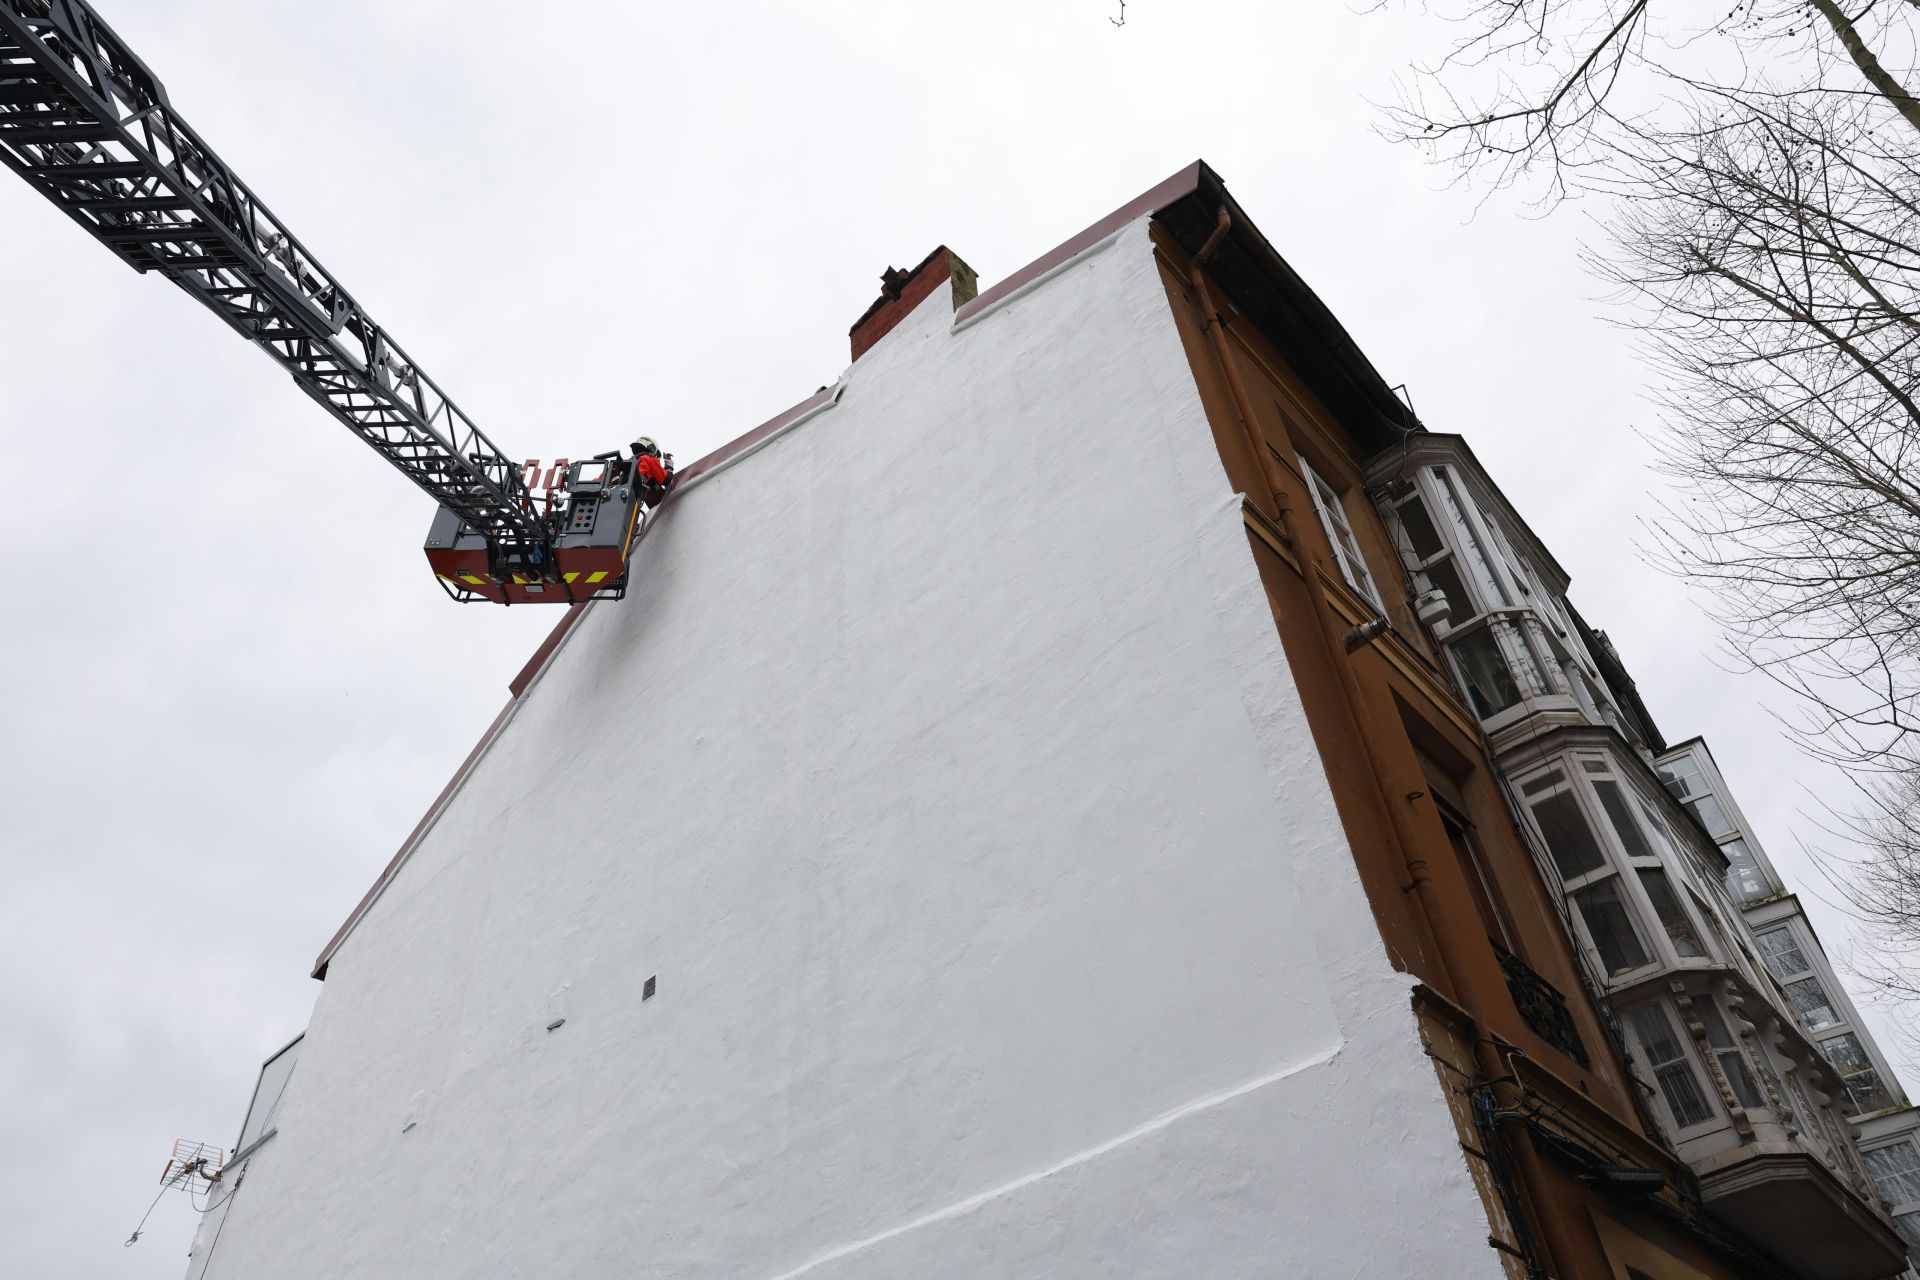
(1632, 839)
(1781, 951)
(1810, 1001)
(266, 1095)
(1475, 551)
(1478, 881)
(1489, 681)
(1867, 1091)
(1610, 925)
(1897, 1170)
(1658, 828)
(1655, 1030)
(1745, 881)
(1545, 782)
(1733, 1062)
(1353, 567)
(1421, 535)
(1682, 777)
(1339, 531)
(1568, 839)
(1673, 916)
(1671, 1070)
(1710, 814)
(1844, 1051)
(1530, 657)
(1850, 1059)
(1908, 1225)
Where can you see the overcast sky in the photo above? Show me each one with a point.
(235, 686)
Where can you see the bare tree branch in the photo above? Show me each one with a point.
(1761, 181)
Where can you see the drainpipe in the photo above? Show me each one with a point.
(1214, 324)
(1451, 961)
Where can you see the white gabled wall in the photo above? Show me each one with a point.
(945, 767)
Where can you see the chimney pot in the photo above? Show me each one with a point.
(902, 291)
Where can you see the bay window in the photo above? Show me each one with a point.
(1617, 865)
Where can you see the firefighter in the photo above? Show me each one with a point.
(652, 470)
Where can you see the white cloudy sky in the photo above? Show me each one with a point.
(234, 685)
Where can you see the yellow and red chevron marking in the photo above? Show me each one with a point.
(584, 569)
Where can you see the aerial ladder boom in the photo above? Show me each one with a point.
(86, 123)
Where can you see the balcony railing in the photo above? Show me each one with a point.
(1542, 1006)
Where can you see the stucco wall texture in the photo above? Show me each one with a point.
(945, 768)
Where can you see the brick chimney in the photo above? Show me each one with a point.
(902, 291)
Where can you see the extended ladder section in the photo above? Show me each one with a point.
(85, 121)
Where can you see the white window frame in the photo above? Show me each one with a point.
(1900, 1207)
(1422, 567)
(1769, 888)
(1807, 972)
(1340, 536)
(1618, 861)
(1477, 557)
(269, 1088)
(1689, 1054)
(1847, 1031)
(1696, 790)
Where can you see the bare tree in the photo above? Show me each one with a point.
(1761, 169)
(1878, 884)
(1776, 251)
(1549, 89)
(1759, 174)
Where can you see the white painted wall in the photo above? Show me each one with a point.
(945, 767)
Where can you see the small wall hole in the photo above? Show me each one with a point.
(646, 988)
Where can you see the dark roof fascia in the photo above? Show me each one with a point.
(1181, 186)
(1266, 288)
(1615, 671)
(1697, 739)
